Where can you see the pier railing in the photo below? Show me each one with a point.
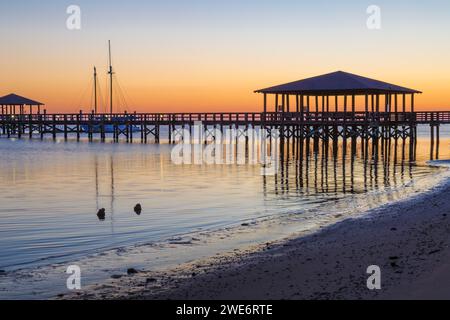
(128, 125)
(311, 118)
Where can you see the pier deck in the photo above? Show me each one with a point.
(290, 124)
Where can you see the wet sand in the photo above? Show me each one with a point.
(408, 240)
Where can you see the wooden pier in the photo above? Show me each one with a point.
(326, 107)
(147, 126)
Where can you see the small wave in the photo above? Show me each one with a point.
(439, 163)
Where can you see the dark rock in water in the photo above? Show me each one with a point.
(101, 214)
(150, 280)
(132, 271)
(393, 258)
(245, 224)
(116, 276)
(138, 209)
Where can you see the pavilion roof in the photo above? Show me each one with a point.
(338, 83)
(16, 100)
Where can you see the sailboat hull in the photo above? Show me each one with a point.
(109, 128)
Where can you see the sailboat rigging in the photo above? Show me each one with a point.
(110, 73)
(102, 117)
(95, 91)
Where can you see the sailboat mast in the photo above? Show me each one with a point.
(95, 90)
(110, 72)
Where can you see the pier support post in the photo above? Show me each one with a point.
(437, 141)
(432, 142)
(79, 118)
(43, 124)
(30, 126)
(65, 127)
(54, 127)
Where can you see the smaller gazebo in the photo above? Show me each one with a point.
(345, 88)
(10, 102)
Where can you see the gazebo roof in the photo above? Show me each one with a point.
(337, 83)
(16, 100)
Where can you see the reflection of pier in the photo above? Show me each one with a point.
(326, 166)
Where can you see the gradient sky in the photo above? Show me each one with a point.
(208, 55)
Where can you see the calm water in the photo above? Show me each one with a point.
(51, 191)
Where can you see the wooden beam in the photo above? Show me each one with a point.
(265, 103)
(345, 104)
(372, 98)
(404, 103)
(302, 106)
(288, 104)
(308, 100)
(276, 103)
(353, 106)
(386, 103)
(366, 105)
(396, 107)
(377, 104)
(396, 103)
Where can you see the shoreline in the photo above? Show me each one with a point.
(408, 239)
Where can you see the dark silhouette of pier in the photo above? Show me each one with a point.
(291, 124)
(319, 108)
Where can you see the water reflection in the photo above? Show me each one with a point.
(59, 187)
(315, 166)
(102, 211)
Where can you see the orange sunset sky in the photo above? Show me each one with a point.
(181, 56)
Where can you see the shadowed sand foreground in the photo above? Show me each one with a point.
(409, 240)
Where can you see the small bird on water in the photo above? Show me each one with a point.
(138, 209)
(101, 214)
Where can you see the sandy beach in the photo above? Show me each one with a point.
(409, 240)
